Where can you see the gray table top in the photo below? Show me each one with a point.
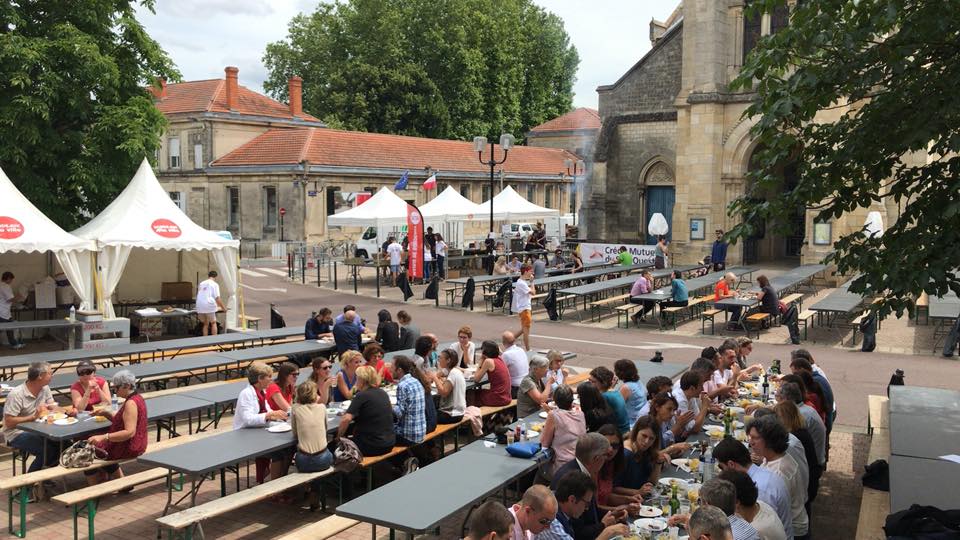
(747, 302)
(943, 310)
(296, 347)
(26, 325)
(477, 474)
(696, 284)
(481, 279)
(923, 436)
(841, 302)
(599, 286)
(648, 370)
(164, 315)
(918, 400)
(221, 393)
(218, 451)
(923, 481)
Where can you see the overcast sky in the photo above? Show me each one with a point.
(204, 37)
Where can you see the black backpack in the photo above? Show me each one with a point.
(468, 293)
(504, 294)
(550, 304)
(923, 523)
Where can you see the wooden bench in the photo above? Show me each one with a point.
(608, 304)
(805, 317)
(691, 309)
(18, 487)
(625, 312)
(875, 504)
(184, 522)
(325, 528)
(757, 320)
(249, 322)
(709, 315)
(793, 298)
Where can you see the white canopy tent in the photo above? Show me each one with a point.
(144, 217)
(384, 208)
(26, 230)
(447, 212)
(508, 205)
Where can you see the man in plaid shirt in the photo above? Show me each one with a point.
(410, 420)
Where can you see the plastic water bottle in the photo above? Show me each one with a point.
(708, 465)
(73, 313)
(114, 403)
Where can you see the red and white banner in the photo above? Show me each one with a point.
(414, 242)
(165, 228)
(10, 228)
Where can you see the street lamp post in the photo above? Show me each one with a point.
(573, 169)
(506, 143)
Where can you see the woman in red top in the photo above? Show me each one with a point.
(373, 355)
(280, 392)
(497, 374)
(809, 396)
(89, 390)
(127, 436)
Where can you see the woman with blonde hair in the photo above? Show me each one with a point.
(347, 378)
(500, 267)
(371, 414)
(308, 420)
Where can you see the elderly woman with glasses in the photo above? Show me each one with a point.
(373, 354)
(89, 390)
(127, 436)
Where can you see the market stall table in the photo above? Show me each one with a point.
(70, 327)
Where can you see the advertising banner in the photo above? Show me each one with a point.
(609, 252)
(414, 242)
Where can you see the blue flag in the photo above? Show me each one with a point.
(402, 183)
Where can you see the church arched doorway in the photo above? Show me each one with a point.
(659, 194)
(779, 241)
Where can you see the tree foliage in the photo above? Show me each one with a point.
(75, 120)
(433, 68)
(863, 94)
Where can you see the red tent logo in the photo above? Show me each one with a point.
(10, 228)
(165, 228)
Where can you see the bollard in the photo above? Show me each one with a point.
(334, 275)
(303, 268)
(318, 272)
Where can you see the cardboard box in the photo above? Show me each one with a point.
(176, 290)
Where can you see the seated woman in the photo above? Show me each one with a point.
(370, 415)
(452, 388)
(388, 332)
(347, 377)
(769, 302)
(514, 265)
(662, 409)
(607, 499)
(602, 377)
(492, 366)
(500, 267)
(563, 427)
(280, 392)
(127, 436)
(641, 462)
(89, 390)
(631, 388)
(555, 369)
(308, 421)
(577, 262)
(373, 355)
(465, 348)
(596, 411)
(322, 378)
(534, 393)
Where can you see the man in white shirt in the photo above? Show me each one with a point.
(768, 439)
(395, 251)
(691, 402)
(26, 403)
(757, 513)
(516, 360)
(208, 303)
(523, 290)
(534, 513)
(7, 299)
(723, 495)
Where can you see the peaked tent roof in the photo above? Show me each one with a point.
(24, 228)
(450, 204)
(144, 216)
(385, 207)
(510, 205)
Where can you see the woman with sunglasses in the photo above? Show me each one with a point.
(465, 348)
(373, 355)
(322, 378)
(89, 390)
(280, 392)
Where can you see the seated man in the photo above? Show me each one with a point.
(490, 521)
(534, 513)
(357, 319)
(26, 403)
(320, 325)
(723, 495)
(726, 288)
(709, 522)
(347, 335)
(573, 492)
(409, 414)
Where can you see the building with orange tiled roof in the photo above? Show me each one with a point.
(233, 159)
(575, 132)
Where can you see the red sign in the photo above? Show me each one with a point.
(415, 242)
(10, 228)
(283, 211)
(165, 228)
(361, 198)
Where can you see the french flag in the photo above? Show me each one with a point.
(430, 183)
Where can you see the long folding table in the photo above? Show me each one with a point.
(70, 327)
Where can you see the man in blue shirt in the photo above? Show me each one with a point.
(679, 297)
(718, 254)
(357, 321)
(409, 414)
(574, 492)
(730, 453)
(347, 335)
(319, 326)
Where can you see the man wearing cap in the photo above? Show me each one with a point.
(718, 254)
(208, 303)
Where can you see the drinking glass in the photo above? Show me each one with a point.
(510, 436)
(693, 495)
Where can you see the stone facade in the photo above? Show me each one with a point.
(672, 121)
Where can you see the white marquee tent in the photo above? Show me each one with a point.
(144, 218)
(27, 232)
(509, 205)
(384, 208)
(450, 205)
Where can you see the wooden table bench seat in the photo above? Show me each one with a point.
(709, 315)
(875, 504)
(325, 528)
(608, 304)
(806, 317)
(756, 322)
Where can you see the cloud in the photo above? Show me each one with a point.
(214, 8)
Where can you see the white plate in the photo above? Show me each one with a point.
(543, 414)
(669, 482)
(650, 512)
(737, 410)
(345, 404)
(332, 410)
(650, 524)
(532, 434)
(65, 422)
(282, 427)
(680, 462)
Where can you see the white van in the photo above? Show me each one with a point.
(519, 230)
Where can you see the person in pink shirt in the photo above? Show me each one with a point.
(643, 285)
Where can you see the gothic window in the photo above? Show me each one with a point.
(751, 31)
(780, 18)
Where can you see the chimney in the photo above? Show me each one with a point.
(232, 89)
(295, 92)
(162, 83)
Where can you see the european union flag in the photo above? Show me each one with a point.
(402, 183)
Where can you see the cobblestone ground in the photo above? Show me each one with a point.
(132, 515)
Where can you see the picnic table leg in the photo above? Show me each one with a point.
(21, 497)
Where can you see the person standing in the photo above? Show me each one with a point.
(7, 299)
(441, 248)
(395, 251)
(523, 290)
(718, 253)
(660, 253)
(208, 303)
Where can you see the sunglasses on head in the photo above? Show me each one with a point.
(86, 371)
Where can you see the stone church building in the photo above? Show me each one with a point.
(673, 140)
